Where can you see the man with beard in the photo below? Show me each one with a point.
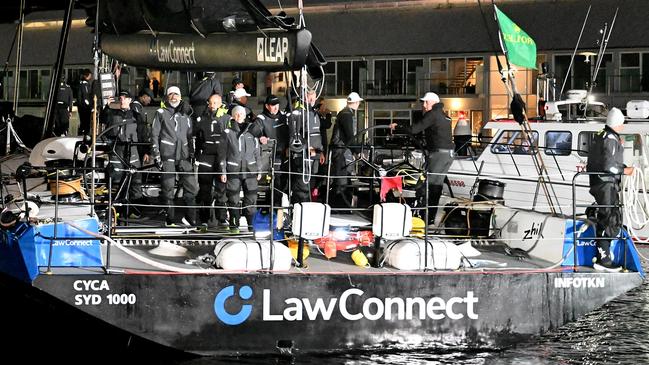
(172, 150)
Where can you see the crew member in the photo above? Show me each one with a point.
(85, 102)
(143, 126)
(209, 129)
(605, 155)
(306, 148)
(342, 158)
(120, 129)
(436, 127)
(240, 98)
(271, 129)
(172, 150)
(207, 86)
(63, 109)
(239, 167)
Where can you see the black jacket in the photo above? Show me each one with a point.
(344, 129)
(436, 127)
(209, 131)
(273, 126)
(606, 154)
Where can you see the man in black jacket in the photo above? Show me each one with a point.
(342, 138)
(438, 149)
(207, 86)
(85, 102)
(606, 155)
(62, 109)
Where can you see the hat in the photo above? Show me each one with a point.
(430, 96)
(238, 109)
(615, 118)
(354, 97)
(125, 93)
(147, 92)
(240, 92)
(173, 90)
(272, 100)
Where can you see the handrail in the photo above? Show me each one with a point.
(574, 216)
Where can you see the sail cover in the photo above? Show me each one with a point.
(199, 35)
(205, 35)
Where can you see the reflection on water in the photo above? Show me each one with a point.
(617, 333)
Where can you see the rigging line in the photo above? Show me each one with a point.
(11, 49)
(572, 59)
(484, 20)
(19, 54)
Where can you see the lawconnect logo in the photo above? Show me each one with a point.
(351, 305)
(245, 292)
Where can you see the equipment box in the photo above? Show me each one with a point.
(637, 109)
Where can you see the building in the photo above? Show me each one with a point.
(391, 52)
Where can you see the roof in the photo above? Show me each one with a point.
(554, 25)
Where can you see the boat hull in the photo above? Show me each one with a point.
(232, 314)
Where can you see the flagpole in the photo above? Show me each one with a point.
(503, 46)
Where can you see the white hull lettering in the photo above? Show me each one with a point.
(372, 308)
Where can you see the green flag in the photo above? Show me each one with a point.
(517, 45)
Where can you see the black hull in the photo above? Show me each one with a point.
(178, 311)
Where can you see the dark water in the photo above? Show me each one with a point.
(617, 333)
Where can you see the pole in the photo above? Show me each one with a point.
(58, 66)
(572, 59)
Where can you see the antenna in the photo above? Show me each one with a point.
(572, 59)
(600, 56)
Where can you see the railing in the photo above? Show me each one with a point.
(595, 205)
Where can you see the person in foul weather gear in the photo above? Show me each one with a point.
(172, 150)
(606, 156)
(209, 131)
(439, 150)
(342, 138)
(239, 167)
(271, 128)
(120, 127)
(306, 150)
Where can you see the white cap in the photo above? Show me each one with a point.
(240, 92)
(173, 90)
(430, 96)
(354, 97)
(615, 118)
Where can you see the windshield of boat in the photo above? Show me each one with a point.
(575, 111)
(514, 142)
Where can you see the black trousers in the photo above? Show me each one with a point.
(302, 169)
(341, 168)
(234, 185)
(437, 165)
(85, 116)
(210, 188)
(609, 219)
(61, 120)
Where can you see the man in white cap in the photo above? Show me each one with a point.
(240, 98)
(438, 148)
(172, 150)
(606, 156)
(342, 137)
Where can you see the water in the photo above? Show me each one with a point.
(617, 333)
